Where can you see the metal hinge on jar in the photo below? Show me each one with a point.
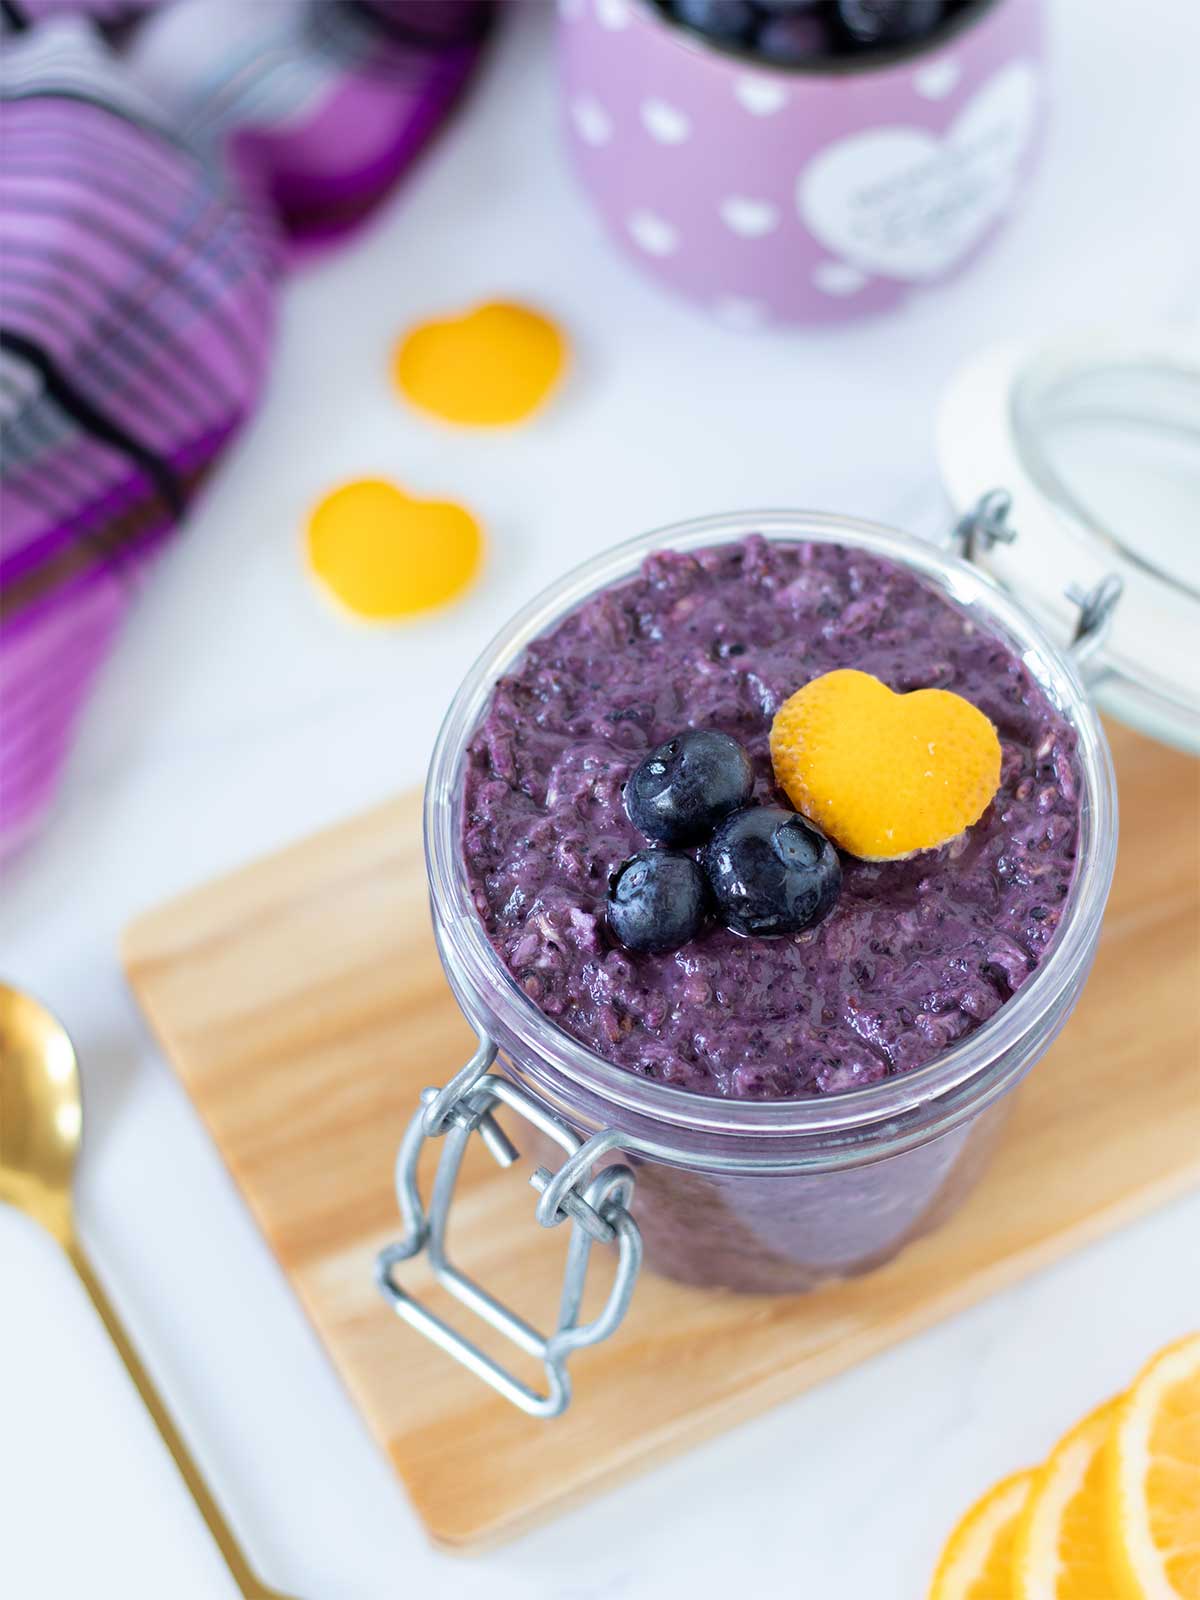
(596, 1206)
(987, 524)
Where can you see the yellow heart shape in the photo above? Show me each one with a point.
(883, 774)
(385, 555)
(491, 367)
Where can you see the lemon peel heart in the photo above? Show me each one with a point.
(491, 367)
(385, 555)
(884, 775)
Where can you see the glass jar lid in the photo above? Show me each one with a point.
(1096, 436)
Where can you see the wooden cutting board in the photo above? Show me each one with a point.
(302, 1004)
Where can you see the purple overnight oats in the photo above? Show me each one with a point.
(780, 1172)
(915, 955)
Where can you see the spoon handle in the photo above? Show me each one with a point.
(241, 1570)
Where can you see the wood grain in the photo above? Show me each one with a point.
(302, 1004)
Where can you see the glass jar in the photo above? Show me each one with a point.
(777, 1195)
(749, 1195)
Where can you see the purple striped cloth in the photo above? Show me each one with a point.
(149, 199)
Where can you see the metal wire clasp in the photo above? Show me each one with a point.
(987, 524)
(597, 1207)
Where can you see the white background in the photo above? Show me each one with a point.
(239, 711)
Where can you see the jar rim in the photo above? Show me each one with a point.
(976, 1068)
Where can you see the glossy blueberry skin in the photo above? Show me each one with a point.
(771, 872)
(680, 791)
(791, 39)
(729, 20)
(867, 22)
(657, 900)
(793, 32)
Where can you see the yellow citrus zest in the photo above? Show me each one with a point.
(883, 774)
(491, 367)
(384, 555)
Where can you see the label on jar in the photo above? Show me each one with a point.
(901, 202)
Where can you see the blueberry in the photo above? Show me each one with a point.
(793, 39)
(731, 21)
(866, 22)
(656, 900)
(771, 871)
(682, 789)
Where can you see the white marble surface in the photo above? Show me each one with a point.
(239, 712)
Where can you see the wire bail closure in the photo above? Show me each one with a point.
(987, 524)
(596, 1206)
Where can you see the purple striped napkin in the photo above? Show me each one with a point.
(148, 202)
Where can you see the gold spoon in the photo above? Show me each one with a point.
(41, 1128)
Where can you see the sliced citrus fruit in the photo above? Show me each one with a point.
(977, 1561)
(1152, 1463)
(1061, 1547)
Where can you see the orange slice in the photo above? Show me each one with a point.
(1152, 1463)
(384, 555)
(882, 774)
(491, 367)
(977, 1561)
(1061, 1547)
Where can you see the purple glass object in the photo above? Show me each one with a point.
(806, 194)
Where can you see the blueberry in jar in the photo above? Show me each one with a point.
(771, 872)
(867, 22)
(656, 901)
(681, 790)
(791, 38)
(793, 32)
(732, 21)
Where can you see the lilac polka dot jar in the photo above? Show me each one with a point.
(809, 193)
